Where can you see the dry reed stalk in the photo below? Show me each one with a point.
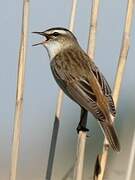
(79, 163)
(131, 159)
(68, 174)
(20, 90)
(59, 107)
(118, 77)
(78, 169)
(93, 29)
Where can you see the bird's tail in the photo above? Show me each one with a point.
(111, 135)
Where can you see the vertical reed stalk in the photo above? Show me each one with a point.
(78, 170)
(131, 159)
(59, 107)
(68, 174)
(93, 29)
(20, 90)
(119, 75)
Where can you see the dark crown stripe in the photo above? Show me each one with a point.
(61, 28)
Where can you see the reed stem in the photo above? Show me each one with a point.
(59, 107)
(79, 163)
(20, 90)
(131, 159)
(119, 76)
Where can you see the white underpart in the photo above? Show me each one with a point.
(54, 47)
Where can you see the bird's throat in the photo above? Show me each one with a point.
(54, 48)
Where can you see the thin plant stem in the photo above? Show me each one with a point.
(118, 78)
(93, 29)
(20, 90)
(79, 163)
(73, 14)
(68, 174)
(59, 107)
(131, 159)
(78, 169)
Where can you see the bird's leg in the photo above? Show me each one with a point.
(83, 121)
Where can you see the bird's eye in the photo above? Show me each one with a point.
(55, 34)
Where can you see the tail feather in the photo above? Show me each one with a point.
(111, 135)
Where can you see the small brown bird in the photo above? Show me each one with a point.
(80, 79)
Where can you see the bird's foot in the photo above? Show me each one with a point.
(81, 128)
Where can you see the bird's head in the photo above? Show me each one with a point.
(56, 40)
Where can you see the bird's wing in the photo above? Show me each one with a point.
(104, 86)
(78, 89)
(82, 93)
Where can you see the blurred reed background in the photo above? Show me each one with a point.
(41, 91)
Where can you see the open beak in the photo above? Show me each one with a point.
(42, 34)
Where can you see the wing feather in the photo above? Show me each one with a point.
(83, 95)
(105, 87)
